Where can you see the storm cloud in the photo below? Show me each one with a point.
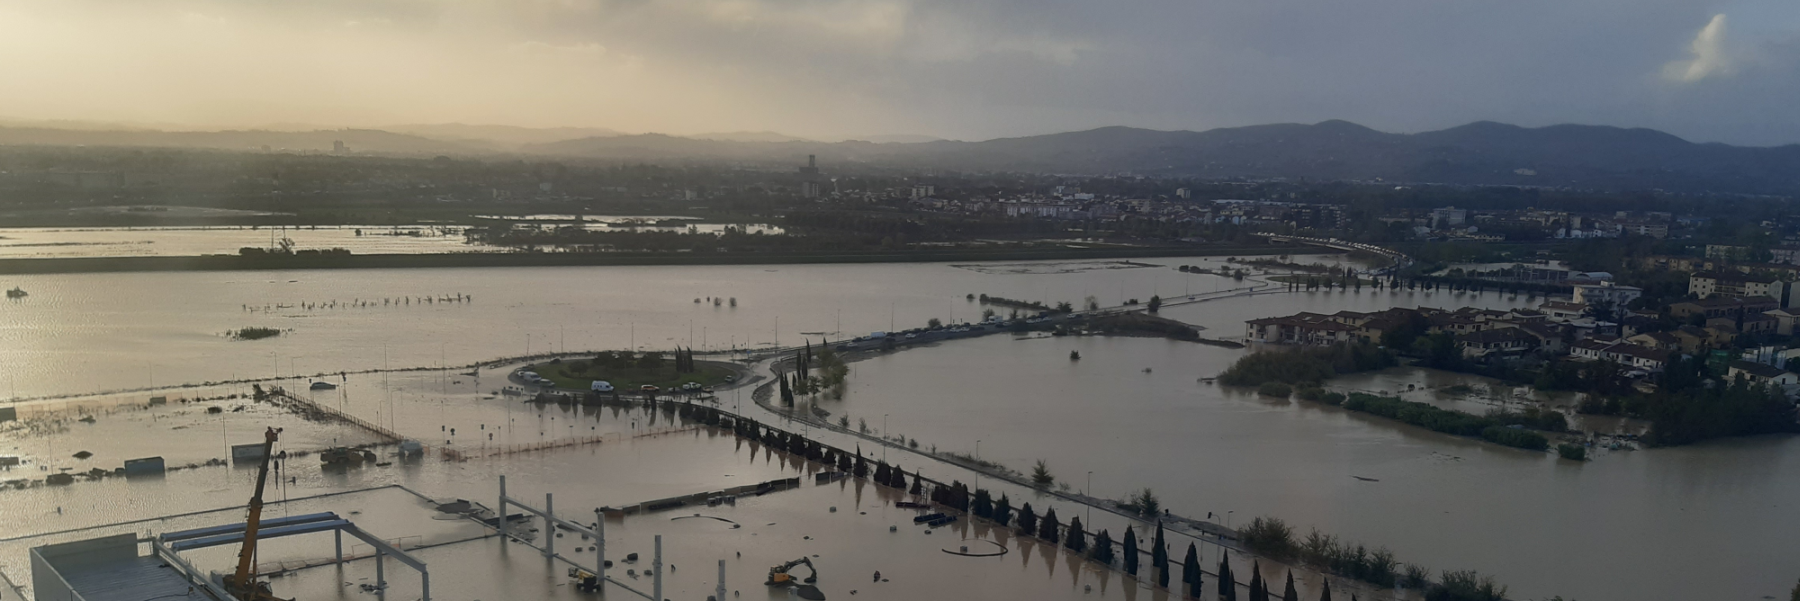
(1711, 70)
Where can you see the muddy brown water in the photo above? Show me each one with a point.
(1706, 521)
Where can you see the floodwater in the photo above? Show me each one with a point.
(1628, 525)
(54, 242)
(66, 242)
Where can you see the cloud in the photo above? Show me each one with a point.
(1709, 56)
(952, 68)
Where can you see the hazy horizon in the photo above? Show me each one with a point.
(1705, 70)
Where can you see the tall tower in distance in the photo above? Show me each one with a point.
(809, 178)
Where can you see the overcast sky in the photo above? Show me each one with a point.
(1707, 70)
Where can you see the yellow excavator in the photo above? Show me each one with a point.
(243, 584)
(779, 576)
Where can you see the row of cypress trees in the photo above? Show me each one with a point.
(980, 503)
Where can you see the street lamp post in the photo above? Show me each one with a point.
(1089, 491)
(884, 433)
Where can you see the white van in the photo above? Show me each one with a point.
(601, 386)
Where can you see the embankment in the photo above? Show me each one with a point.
(342, 261)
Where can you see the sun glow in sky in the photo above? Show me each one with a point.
(1725, 70)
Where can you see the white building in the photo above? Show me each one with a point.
(1606, 292)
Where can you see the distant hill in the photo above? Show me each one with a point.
(748, 136)
(502, 136)
(1483, 153)
(366, 141)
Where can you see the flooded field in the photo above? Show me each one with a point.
(1132, 411)
(175, 241)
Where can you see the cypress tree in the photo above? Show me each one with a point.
(881, 473)
(1131, 552)
(1326, 596)
(1258, 592)
(1047, 527)
(1162, 575)
(1290, 594)
(918, 486)
(1003, 510)
(1190, 572)
(1103, 552)
(862, 467)
(1027, 520)
(1227, 582)
(898, 478)
(1077, 539)
(984, 504)
(1159, 556)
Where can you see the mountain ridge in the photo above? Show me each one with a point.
(1477, 153)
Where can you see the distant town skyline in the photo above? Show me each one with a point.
(1705, 70)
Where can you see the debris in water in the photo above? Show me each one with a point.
(83, 455)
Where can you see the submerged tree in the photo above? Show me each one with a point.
(1027, 520)
(1190, 572)
(1258, 591)
(1159, 557)
(1047, 526)
(1227, 582)
(1290, 594)
(1002, 510)
(984, 504)
(1131, 552)
(1326, 595)
(1040, 475)
(1077, 539)
(1103, 552)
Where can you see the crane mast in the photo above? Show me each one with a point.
(243, 584)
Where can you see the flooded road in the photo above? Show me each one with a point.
(1708, 521)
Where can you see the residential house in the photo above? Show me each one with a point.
(1562, 310)
(1722, 307)
(1606, 292)
(1725, 283)
(1624, 353)
(1303, 328)
(1762, 374)
(1657, 340)
(1784, 320)
(1496, 342)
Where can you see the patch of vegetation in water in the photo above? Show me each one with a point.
(1448, 422)
(1306, 366)
(255, 333)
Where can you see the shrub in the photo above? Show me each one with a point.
(1269, 536)
(1275, 389)
(1466, 585)
(1417, 575)
(1310, 393)
(1515, 437)
(1572, 451)
(1305, 365)
(1332, 398)
(255, 333)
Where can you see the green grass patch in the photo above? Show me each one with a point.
(1446, 421)
(580, 374)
